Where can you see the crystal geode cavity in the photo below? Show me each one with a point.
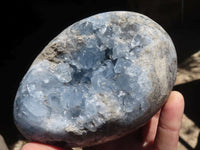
(98, 80)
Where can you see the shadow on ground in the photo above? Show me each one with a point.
(191, 94)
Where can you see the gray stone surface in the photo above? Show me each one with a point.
(98, 80)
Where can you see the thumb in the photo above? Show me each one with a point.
(170, 123)
(39, 146)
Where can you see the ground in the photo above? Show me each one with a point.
(189, 71)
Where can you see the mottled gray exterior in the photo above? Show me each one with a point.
(98, 80)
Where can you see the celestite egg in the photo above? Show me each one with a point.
(99, 79)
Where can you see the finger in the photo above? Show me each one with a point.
(149, 130)
(39, 146)
(170, 123)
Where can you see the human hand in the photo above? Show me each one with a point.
(161, 133)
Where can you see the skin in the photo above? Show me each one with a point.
(161, 133)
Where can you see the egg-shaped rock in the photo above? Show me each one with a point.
(99, 79)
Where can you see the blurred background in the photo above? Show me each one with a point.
(28, 26)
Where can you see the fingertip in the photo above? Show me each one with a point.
(39, 146)
(176, 96)
(27, 146)
(173, 109)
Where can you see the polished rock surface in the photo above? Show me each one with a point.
(98, 80)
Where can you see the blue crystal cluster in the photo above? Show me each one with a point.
(104, 69)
